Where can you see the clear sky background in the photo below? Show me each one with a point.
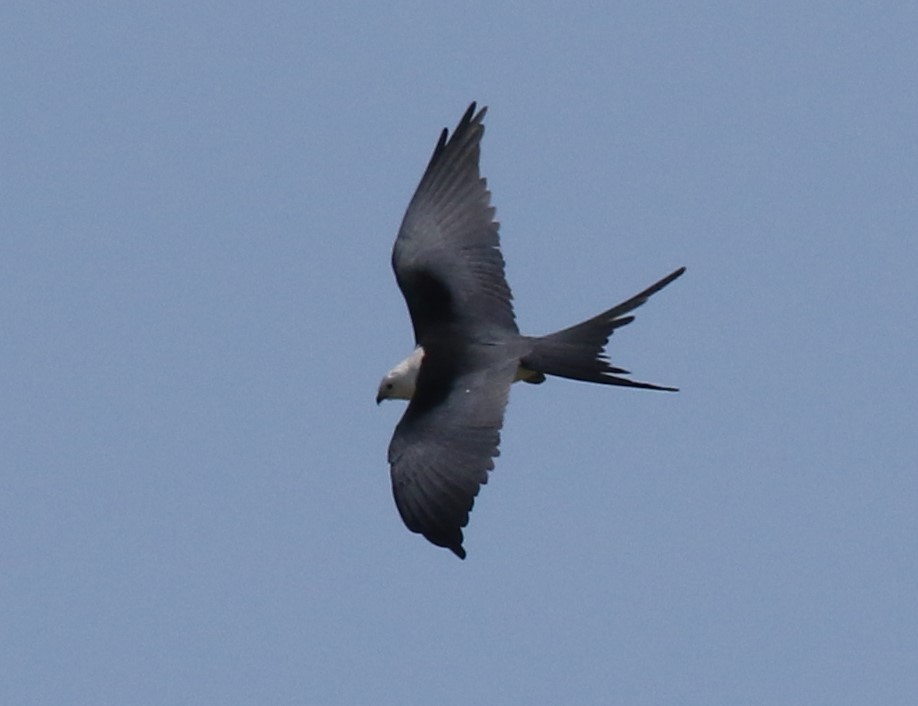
(198, 206)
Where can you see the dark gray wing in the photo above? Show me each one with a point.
(445, 445)
(446, 257)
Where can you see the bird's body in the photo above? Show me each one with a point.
(400, 382)
(469, 351)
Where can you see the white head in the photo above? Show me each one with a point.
(398, 383)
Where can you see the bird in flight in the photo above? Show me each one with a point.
(469, 351)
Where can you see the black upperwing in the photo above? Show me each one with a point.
(446, 257)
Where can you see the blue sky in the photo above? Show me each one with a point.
(197, 207)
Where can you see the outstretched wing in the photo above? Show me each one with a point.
(447, 256)
(445, 444)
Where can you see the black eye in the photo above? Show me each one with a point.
(388, 385)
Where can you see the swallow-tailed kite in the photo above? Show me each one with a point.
(469, 351)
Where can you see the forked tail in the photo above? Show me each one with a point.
(579, 353)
